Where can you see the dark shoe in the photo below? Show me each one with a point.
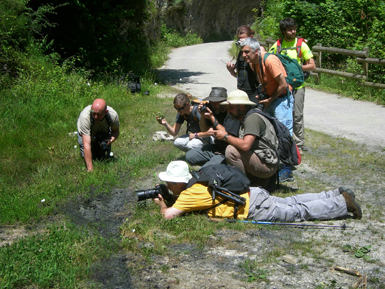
(285, 175)
(349, 191)
(352, 205)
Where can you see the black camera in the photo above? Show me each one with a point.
(104, 146)
(153, 193)
(106, 151)
(204, 107)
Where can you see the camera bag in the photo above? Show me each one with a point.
(223, 180)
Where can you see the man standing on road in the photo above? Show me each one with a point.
(254, 151)
(259, 205)
(296, 48)
(277, 97)
(98, 127)
(246, 79)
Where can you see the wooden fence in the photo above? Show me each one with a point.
(362, 58)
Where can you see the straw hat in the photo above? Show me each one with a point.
(238, 97)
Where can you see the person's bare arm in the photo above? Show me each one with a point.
(114, 135)
(281, 89)
(167, 213)
(309, 66)
(243, 144)
(87, 152)
(173, 130)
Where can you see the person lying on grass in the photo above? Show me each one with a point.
(259, 204)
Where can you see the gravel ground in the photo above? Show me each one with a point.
(289, 257)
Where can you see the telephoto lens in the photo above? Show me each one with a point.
(153, 193)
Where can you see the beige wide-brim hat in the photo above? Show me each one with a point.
(238, 97)
(177, 172)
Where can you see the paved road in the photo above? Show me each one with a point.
(195, 69)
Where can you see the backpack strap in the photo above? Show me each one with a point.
(279, 45)
(299, 44)
(193, 113)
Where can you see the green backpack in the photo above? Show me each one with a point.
(294, 71)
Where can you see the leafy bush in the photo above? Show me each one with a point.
(351, 24)
(174, 39)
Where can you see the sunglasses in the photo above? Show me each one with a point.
(181, 108)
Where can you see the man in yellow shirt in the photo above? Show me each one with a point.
(259, 205)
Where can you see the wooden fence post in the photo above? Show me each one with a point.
(365, 65)
(318, 64)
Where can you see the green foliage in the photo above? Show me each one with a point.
(106, 36)
(57, 258)
(252, 271)
(352, 24)
(174, 39)
(19, 25)
(267, 25)
(358, 252)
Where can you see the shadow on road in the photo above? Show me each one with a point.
(177, 76)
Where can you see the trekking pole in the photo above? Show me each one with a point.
(343, 227)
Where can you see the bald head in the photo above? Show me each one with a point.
(99, 104)
(99, 109)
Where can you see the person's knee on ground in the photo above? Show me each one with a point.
(250, 164)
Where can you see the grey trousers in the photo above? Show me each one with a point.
(204, 156)
(323, 206)
(185, 144)
(298, 122)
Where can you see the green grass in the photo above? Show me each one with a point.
(39, 162)
(59, 255)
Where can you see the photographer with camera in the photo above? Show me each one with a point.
(188, 112)
(246, 79)
(254, 151)
(259, 205)
(98, 127)
(214, 117)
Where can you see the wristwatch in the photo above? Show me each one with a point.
(226, 137)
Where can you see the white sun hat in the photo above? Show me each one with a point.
(177, 172)
(238, 97)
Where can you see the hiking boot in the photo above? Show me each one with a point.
(349, 191)
(352, 205)
(285, 175)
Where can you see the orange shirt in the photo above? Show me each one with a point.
(272, 68)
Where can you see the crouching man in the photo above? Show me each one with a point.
(98, 127)
(259, 204)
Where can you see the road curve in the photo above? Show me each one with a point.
(195, 69)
